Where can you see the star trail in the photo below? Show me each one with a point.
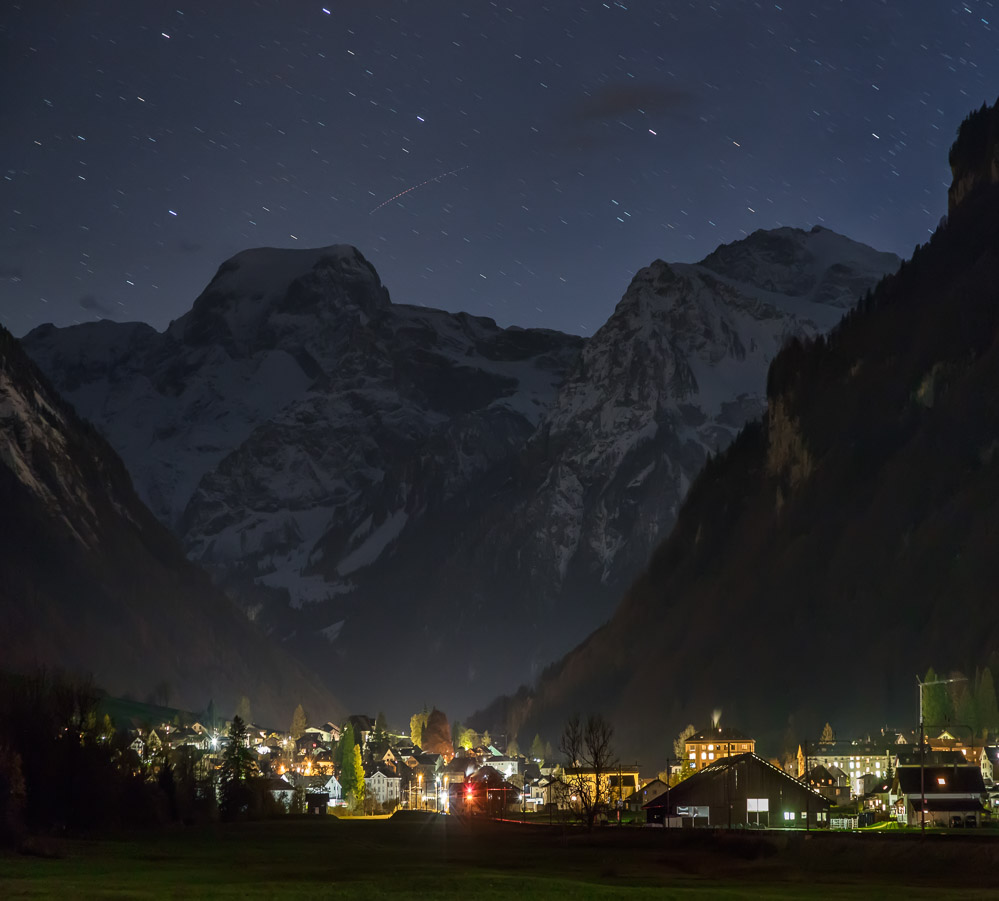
(144, 143)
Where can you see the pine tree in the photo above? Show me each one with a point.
(967, 711)
(344, 752)
(299, 722)
(512, 748)
(988, 709)
(827, 734)
(938, 706)
(538, 748)
(237, 766)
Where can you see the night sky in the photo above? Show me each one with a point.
(538, 153)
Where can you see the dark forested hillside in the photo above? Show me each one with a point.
(90, 581)
(842, 544)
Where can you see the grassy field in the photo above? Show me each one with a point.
(446, 858)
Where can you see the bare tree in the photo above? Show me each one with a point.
(589, 761)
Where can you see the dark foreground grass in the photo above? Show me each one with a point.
(448, 858)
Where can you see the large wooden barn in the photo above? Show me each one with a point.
(741, 791)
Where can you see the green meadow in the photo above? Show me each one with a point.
(324, 857)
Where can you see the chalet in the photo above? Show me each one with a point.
(929, 757)
(320, 734)
(947, 741)
(879, 799)
(990, 765)
(384, 787)
(506, 766)
(279, 789)
(953, 794)
(705, 747)
(363, 727)
(647, 792)
(740, 791)
(334, 791)
(830, 786)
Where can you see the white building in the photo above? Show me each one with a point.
(333, 788)
(382, 786)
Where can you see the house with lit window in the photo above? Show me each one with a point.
(990, 765)
(741, 791)
(855, 758)
(705, 747)
(944, 795)
(383, 786)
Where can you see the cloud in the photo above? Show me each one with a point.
(92, 305)
(615, 101)
(609, 115)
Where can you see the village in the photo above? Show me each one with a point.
(889, 780)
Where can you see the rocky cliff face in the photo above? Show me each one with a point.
(375, 463)
(863, 504)
(974, 157)
(90, 581)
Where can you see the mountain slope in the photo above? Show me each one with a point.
(840, 545)
(89, 580)
(342, 461)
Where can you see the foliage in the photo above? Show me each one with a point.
(938, 704)
(62, 765)
(344, 752)
(680, 742)
(589, 761)
(417, 722)
(468, 738)
(299, 723)
(827, 734)
(512, 748)
(356, 778)
(237, 767)
(674, 778)
(538, 749)
(436, 737)
(988, 711)
(378, 742)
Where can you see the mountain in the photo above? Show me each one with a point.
(845, 541)
(380, 480)
(91, 581)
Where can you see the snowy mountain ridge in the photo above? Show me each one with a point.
(296, 427)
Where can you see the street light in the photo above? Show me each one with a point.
(922, 746)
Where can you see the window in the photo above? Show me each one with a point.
(704, 755)
(758, 811)
(711, 747)
(711, 756)
(788, 815)
(941, 780)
